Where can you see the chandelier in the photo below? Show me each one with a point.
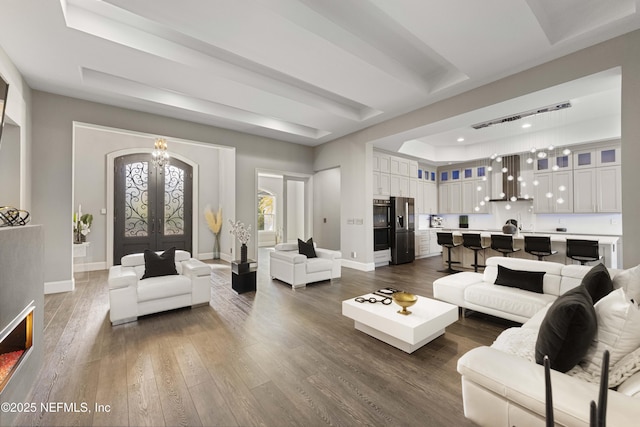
(160, 156)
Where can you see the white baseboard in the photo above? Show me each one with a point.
(369, 266)
(60, 286)
(89, 266)
(209, 255)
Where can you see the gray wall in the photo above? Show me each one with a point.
(351, 153)
(326, 206)
(90, 187)
(53, 118)
(21, 246)
(10, 166)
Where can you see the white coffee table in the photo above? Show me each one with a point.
(427, 321)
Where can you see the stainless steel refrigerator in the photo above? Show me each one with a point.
(402, 230)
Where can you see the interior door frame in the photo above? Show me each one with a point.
(308, 198)
(110, 194)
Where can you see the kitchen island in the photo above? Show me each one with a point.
(608, 247)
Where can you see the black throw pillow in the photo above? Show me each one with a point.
(159, 265)
(598, 282)
(567, 330)
(528, 280)
(306, 248)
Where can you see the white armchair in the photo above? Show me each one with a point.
(291, 267)
(130, 297)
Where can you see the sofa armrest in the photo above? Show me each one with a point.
(451, 288)
(522, 383)
(292, 257)
(328, 253)
(195, 268)
(631, 386)
(122, 277)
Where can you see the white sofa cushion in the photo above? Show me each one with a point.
(629, 280)
(161, 287)
(507, 299)
(618, 330)
(315, 265)
(551, 280)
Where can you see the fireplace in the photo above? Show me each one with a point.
(16, 341)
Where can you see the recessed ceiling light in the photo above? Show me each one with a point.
(526, 125)
(460, 139)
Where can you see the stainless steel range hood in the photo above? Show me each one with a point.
(510, 187)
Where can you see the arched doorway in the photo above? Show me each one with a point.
(152, 205)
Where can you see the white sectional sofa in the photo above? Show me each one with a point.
(130, 297)
(476, 291)
(288, 265)
(502, 385)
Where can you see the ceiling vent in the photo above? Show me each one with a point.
(547, 109)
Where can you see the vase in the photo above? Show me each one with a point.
(243, 253)
(216, 246)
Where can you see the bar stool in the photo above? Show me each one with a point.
(539, 246)
(583, 250)
(473, 241)
(446, 240)
(503, 243)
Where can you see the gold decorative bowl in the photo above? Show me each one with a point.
(404, 300)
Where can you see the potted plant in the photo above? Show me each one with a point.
(214, 221)
(243, 234)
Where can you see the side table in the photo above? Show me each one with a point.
(243, 276)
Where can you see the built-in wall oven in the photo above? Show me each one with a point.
(381, 224)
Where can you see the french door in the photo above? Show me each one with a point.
(153, 206)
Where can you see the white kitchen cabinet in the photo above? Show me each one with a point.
(552, 188)
(381, 184)
(381, 162)
(597, 190)
(473, 193)
(413, 190)
(608, 156)
(429, 198)
(443, 199)
(399, 185)
(609, 189)
(563, 191)
(413, 170)
(455, 197)
(584, 193)
(434, 247)
(400, 166)
(554, 163)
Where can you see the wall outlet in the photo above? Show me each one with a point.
(103, 211)
(359, 221)
(353, 254)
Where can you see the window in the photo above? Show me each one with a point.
(266, 211)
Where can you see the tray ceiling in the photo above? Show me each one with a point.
(303, 71)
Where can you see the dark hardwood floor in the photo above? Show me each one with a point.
(275, 357)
